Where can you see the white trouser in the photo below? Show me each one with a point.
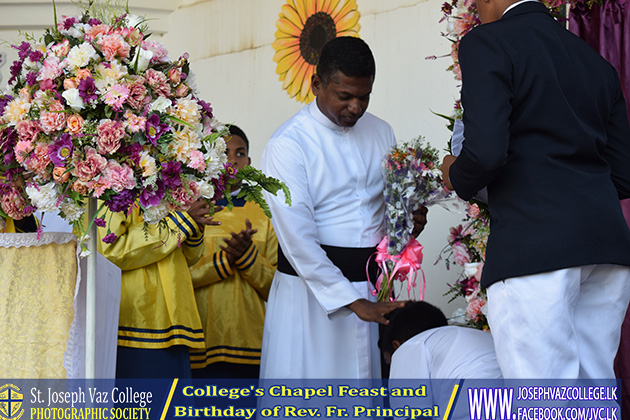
(563, 324)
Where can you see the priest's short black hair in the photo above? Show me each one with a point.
(350, 55)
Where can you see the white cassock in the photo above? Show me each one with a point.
(336, 182)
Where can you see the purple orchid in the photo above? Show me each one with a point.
(155, 129)
(87, 90)
(170, 174)
(61, 150)
(151, 195)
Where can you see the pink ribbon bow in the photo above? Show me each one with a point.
(407, 263)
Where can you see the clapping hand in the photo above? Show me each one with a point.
(236, 245)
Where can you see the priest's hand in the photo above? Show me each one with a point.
(419, 220)
(374, 311)
(445, 168)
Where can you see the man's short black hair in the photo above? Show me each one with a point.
(236, 131)
(411, 320)
(347, 54)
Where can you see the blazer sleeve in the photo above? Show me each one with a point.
(617, 151)
(486, 98)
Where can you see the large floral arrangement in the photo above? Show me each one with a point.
(412, 178)
(467, 249)
(96, 110)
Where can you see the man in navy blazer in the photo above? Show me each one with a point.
(547, 133)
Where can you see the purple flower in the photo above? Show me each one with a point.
(132, 152)
(110, 239)
(94, 22)
(61, 150)
(15, 70)
(87, 90)
(31, 78)
(23, 50)
(7, 143)
(100, 222)
(122, 201)
(155, 129)
(151, 195)
(170, 174)
(67, 24)
(4, 100)
(35, 56)
(206, 109)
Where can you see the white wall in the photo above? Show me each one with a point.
(229, 42)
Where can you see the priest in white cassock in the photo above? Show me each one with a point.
(321, 319)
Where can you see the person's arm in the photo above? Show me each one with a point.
(136, 247)
(486, 99)
(257, 265)
(296, 230)
(617, 151)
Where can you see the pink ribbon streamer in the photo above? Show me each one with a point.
(407, 264)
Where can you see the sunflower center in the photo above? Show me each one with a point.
(318, 29)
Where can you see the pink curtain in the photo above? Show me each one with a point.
(606, 28)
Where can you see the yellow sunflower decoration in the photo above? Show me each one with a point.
(304, 27)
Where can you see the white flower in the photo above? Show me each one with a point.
(44, 197)
(206, 189)
(154, 214)
(147, 162)
(73, 99)
(161, 104)
(142, 59)
(134, 20)
(470, 269)
(80, 55)
(71, 210)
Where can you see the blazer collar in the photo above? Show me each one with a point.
(527, 7)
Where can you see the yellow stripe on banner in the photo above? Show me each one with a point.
(168, 400)
(450, 402)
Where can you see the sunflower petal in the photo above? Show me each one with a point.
(291, 73)
(280, 43)
(292, 15)
(288, 62)
(295, 76)
(350, 32)
(301, 8)
(305, 90)
(329, 5)
(339, 13)
(348, 21)
(286, 26)
(284, 52)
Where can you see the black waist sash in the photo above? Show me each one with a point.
(351, 261)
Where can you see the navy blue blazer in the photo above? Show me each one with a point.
(547, 132)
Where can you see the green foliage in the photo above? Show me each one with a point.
(255, 183)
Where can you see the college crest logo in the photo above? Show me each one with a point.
(11, 402)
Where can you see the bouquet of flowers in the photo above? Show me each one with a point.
(467, 248)
(96, 110)
(412, 179)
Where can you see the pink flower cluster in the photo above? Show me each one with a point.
(98, 112)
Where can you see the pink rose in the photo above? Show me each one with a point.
(473, 211)
(91, 166)
(81, 187)
(53, 119)
(28, 130)
(110, 134)
(75, 123)
(181, 90)
(158, 82)
(474, 308)
(120, 177)
(15, 205)
(137, 98)
(460, 254)
(113, 46)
